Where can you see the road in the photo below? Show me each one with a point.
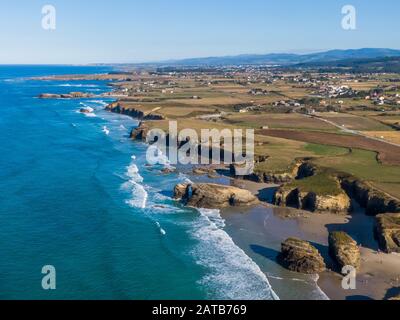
(355, 132)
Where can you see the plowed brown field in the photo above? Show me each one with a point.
(388, 154)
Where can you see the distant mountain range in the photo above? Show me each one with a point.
(287, 59)
(373, 65)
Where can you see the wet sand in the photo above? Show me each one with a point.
(379, 271)
(259, 231)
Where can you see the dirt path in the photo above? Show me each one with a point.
(344, 129)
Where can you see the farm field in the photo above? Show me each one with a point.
(388, 154)
(353, 122)
(284, 133)
(364, 165)
(392, 136)
(280, 121)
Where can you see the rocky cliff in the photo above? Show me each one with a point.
(71, 95)
(301, 168)
(117, 107)
(213, 196)
(140, 133)
(387, 230)
(311, 201)
(372, 200)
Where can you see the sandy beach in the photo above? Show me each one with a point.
(260, 230)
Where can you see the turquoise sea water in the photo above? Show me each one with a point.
(75, 193)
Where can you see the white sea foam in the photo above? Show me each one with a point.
(106, 130)
(86, 106)
(100, 102)
(183, 178)
(138, 191)
(162, 231)
(77, 85)
(319, 294)
(233, 274)
(133, 173)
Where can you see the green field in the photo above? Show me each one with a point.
(322, 184)
(364, 165)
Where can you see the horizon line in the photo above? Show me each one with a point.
(167, 60)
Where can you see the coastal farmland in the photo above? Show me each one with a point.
(387, 153)
(319, 138)
(295, 115)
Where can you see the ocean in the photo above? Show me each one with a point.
(76, 194)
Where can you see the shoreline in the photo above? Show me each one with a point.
(313, 227)
(259, 231)
(377, 274)
(247, 227)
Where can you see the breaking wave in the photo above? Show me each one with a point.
(234, 275)
(77, 85)
(134, 184)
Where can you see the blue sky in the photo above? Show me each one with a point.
(148, 30)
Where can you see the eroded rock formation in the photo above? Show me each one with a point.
(374, 201)
(117, 107)
(71, 95)
(344, 250)
(311, 201)
(387, 231)
(213, 196)
(300, 256)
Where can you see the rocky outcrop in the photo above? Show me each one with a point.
(117, 107)
(374, 201)
(276, 178)
(300, 169)
(305, 170)
(200, 171)
(344, 250)
(168, 170)
(86, 110)
(140, 133)
(300, 256)
(213, 196)
(181, 191)
(71, 95)
(310, 201)
(387, 231)
(262, 177)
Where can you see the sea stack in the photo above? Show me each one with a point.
(344, 250)
(300, 256)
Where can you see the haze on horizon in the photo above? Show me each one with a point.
(126, 31)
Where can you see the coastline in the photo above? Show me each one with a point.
(259, 231)
(378, 272)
